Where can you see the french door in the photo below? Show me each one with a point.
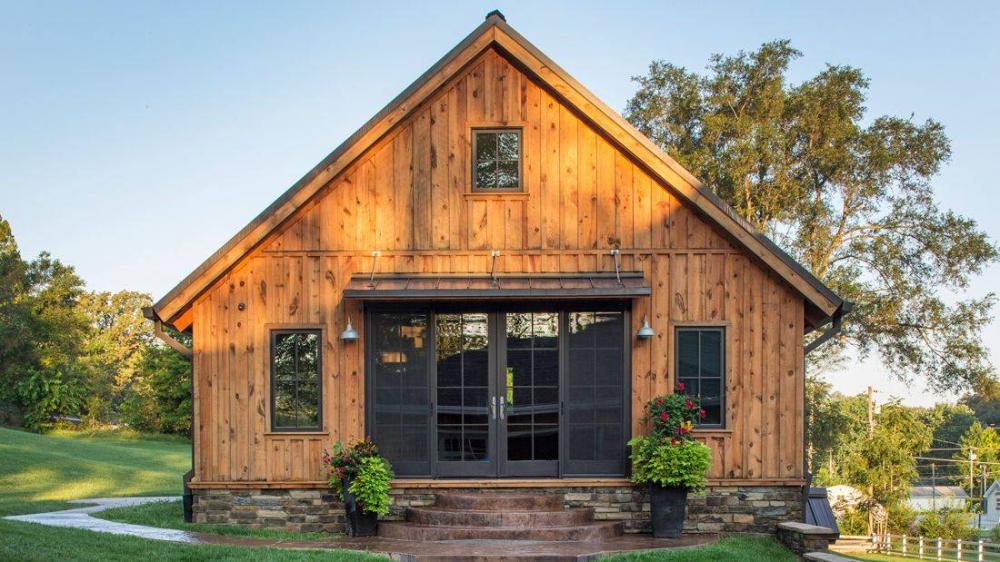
(499, 392)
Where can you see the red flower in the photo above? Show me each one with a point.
(689, 404)
(673, 440)
(680, 387)
(683, 430)
(659, 401)
(663, 416)
(702, 413)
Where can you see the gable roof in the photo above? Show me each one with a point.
(822, 303)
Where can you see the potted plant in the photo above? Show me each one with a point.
(669, 460)
(360, 477)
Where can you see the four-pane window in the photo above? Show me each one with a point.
(496, 160)
(296, 387)
(700, 368)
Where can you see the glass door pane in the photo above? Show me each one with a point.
(401, 390)
(529, 389)
(595, 406)
(464, 428)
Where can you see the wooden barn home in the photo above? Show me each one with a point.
(489, 279)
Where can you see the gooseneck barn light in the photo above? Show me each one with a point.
(645, 332)
(349, 334)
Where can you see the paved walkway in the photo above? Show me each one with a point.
(79, 518)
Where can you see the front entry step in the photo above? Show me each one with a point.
(470, 518)
(500, 502)
(415, 532)
(500, 517)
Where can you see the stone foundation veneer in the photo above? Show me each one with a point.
(291, 510)
(719, 509)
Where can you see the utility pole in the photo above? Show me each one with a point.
(934, 487)
(982, 498)
(972, 484)
(871, 412)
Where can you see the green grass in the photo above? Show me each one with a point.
(170, 515)
(40, 472)
(741, 549)
(33, 543)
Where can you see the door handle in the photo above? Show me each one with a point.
(493, 407)
(503, 402)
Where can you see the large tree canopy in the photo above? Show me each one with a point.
(66, 352)
(851, 197)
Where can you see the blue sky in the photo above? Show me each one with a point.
(136, 137)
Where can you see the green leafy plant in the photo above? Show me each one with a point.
(365, 472)
(947, 523)
(371, 485)
(670, 456)
(678, 464)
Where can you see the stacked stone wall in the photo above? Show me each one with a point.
(719, 509)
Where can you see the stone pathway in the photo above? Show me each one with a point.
(407, 550)
(79, 518)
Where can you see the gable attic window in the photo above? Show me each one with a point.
(496, 160)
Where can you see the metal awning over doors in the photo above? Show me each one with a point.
(519, 286)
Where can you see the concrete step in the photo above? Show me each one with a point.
(416, 532)
(498, 558)
(471, 518)
(500, 502)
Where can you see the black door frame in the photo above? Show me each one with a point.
(498, 466)
(466, 469)
(528, 468)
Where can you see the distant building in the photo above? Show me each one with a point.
(991, 502)
(928, 498)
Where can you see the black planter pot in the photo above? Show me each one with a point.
(667, 508)
(360, 523)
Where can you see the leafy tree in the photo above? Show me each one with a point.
(948, 524)
(849, 196)
(115, 346)
(160, 400)
(950, 422)
(834, 421)
(984, 444)
(985, 405)
(883, 463)
(17, 323)
(41, 330)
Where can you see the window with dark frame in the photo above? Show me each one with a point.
(296, 381)
(700, 367)
(496, 160)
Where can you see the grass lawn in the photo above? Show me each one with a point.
(40, 472)
(742, 549)
(33, 543)
(170, 515)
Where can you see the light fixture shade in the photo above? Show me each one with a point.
(349, 333)
(645, 332)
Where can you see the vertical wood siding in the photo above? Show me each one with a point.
(408, 198)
